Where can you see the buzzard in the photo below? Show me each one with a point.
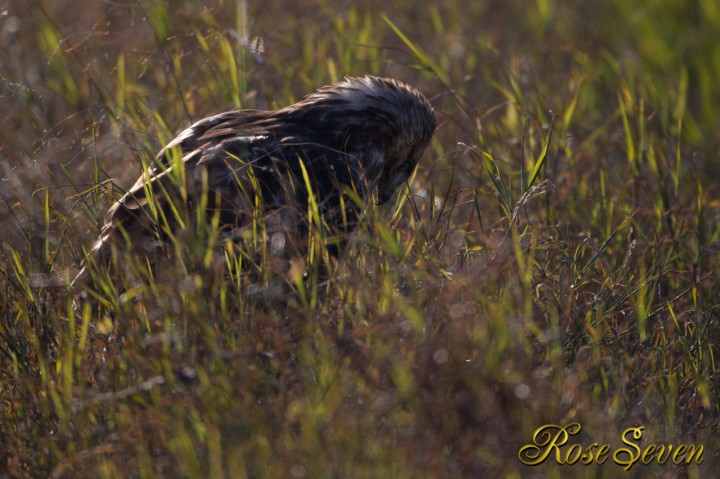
(348, 143)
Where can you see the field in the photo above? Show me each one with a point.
(554, 259)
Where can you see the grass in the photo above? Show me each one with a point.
(554, 259)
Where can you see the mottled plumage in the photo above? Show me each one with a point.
(363, 134)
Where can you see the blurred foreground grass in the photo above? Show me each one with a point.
(556, 259)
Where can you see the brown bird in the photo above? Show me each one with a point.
(348, 143)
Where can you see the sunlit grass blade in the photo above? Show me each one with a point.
(543, 155)
(424, 59)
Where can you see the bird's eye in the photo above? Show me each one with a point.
(406, 166)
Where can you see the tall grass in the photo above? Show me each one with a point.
(552, 260)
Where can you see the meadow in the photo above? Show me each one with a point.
(554, 259)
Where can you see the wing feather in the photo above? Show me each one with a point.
(141, 220)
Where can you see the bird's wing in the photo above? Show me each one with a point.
(216, 128)
(216, 155)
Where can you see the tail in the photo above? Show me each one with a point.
(93, 256)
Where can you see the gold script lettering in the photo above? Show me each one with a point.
(547, 439)
(631, 458)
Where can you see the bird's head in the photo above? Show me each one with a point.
(382, 124)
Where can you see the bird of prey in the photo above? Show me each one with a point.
(346, 144)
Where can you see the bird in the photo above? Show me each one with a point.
(316, 161)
